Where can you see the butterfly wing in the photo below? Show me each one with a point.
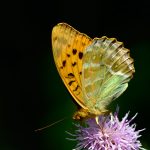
(68, 45)
(107, 69)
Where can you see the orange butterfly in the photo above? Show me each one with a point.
(95, 71)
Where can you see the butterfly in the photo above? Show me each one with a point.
(95, 71)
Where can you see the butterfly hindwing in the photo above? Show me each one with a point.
(107, 69)
(68, 45)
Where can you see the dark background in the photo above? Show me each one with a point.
(32, 93)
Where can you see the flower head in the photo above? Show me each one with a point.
(108, 134)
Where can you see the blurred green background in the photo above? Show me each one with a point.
(32, 93)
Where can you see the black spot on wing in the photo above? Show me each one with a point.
(68, 55)
(74, 51)
(70, 83)
(73, 64)
(76, 88)
(64, 63)
(80, 72)
(80, 55)
(70, 75)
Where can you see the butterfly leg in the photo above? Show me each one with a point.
(97, 119)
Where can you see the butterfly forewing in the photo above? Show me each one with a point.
(68, 45)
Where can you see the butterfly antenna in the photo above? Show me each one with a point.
(50, 124)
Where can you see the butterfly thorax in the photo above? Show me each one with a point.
(85, 114)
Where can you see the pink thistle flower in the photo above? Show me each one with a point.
(108, 134)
